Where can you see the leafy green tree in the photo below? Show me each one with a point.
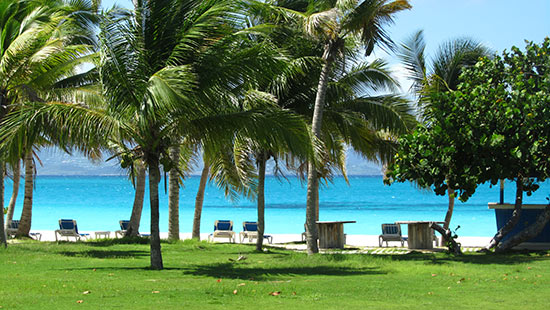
(493, 127)
(439, 75)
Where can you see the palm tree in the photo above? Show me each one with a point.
(43, 42)
(442, 75)
(16, 169)
(150, 82)
(337, 25)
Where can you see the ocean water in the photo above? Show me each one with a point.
(99, 202)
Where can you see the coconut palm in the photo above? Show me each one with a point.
(16, 170)
(152, 87)
(43, 42)
(337, 26)
(441, 75)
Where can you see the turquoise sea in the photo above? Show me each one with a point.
(99, 202)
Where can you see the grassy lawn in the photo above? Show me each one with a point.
(198, 275)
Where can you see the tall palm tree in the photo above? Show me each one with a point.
(152, 90)
(43, 42)
(16, 170)
(336, 25)
(441, 75)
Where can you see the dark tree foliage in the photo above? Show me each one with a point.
(495, 126)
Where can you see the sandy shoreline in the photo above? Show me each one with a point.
(353, 240)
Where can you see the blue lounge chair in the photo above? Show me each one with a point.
(250, 231)
(14, 226)
(223, 229)
(124, 227)
(391, 232)
(68, 228)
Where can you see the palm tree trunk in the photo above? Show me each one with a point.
(135, 218)
(154, 179)
(262, 158)
(199, 200)
(174, 197)
(26, 213)
(3, 237)
(14, 193)
(503, 231)
(312, 179)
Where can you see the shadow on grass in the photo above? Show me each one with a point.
(105, 254)
(239, 271)
(477, 258)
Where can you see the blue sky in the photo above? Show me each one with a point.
(499, 24)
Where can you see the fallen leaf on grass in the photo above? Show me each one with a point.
(294, 293)
(275, 293)
(79, 301)
(241, 284)
(86, 292)
(235, 292)
(434, 274)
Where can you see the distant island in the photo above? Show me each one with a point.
(57, 162)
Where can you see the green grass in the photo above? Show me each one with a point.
(111, 275)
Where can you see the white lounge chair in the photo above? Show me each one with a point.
(68, 228)
(123, 227)
(223, 229)
(250, 231)
(14, 226)
(391, 232)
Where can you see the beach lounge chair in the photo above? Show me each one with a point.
(223, 229)
(250, 231)
(391, 232)
(68, 228)
(123, 227)
(14, 226)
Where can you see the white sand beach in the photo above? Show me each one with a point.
(351, 240)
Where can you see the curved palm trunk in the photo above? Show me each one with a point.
(135, 218)
(154, 179)
(503, 231)
(3, 237)
(14, 193)
(312, 179)
(174, 197)
(261, 200)
(26, 213)
(199, 200)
